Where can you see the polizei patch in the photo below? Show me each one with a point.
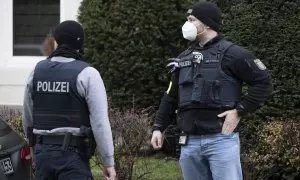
(47, 86)
(260, 64)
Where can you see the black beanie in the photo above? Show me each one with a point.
(208, 13)
(69, 33)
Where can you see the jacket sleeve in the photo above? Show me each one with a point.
(27, 117)
(168, 105)
(244, 66)
(96, 98)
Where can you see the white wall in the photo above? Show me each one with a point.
(69, 9)
(15, 69)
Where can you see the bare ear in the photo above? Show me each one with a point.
(206, 27)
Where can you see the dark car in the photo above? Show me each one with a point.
(14, 155)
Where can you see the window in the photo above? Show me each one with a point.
(32, 21)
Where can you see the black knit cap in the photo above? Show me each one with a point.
(208, 13)
(69, 33)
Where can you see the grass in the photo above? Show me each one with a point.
(149, 168)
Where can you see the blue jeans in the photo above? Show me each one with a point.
(211, 157)
(53, 163)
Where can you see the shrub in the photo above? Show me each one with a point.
(131, 133)
(275, 154)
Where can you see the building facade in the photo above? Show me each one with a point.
(24, 26)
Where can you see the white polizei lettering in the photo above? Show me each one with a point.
(68, 87)
(45, 86)
(49, 87)
(63, 87)
(57, 88)
(39, 85)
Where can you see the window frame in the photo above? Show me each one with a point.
(14, 70)
(37, 41)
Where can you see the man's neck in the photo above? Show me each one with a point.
(207, 37)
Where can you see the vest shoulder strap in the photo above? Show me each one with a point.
(222, 47)
(41, 63)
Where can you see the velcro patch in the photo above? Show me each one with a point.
(259, 64)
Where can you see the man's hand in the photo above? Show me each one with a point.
(231, 121)
(109, 173)
(157, 139)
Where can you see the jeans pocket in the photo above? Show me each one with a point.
(185, 153)
(232, 136)
(227, 135)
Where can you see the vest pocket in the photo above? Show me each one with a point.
(229, 93)
(206, 92)
(215, 91)
(199, 89)
(185, 84)
(185, 76)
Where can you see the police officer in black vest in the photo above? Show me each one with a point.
(205, 90)
(65, 111)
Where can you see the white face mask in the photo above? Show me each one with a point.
(189, 31)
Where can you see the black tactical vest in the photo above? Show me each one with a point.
(204, 89)
(56, 102)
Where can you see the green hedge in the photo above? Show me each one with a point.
(129, 42)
